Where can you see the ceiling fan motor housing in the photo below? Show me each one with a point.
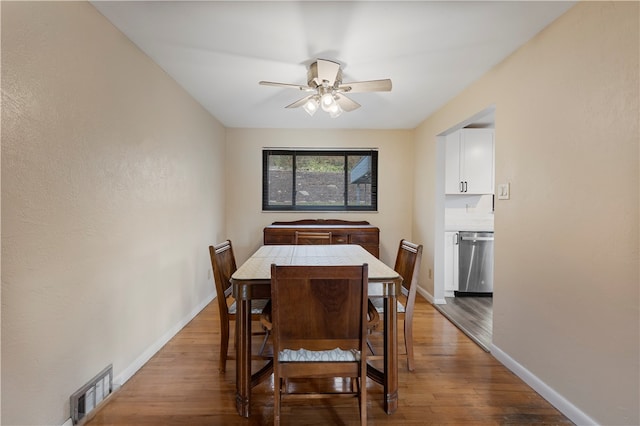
(314, 81)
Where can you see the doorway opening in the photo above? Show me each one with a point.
(465, 204)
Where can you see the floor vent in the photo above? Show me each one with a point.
(89, 396)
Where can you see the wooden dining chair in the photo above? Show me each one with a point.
(312, 238)
(319, 316)
(223, 263)
(408, 266)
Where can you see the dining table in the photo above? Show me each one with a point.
(252, 280)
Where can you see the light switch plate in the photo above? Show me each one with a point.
(504, 192)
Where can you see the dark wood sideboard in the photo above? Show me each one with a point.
(342, 232)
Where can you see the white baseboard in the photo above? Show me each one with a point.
(424, 293)
(552, 396)
(128, 372)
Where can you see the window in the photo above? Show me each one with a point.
(319, 180)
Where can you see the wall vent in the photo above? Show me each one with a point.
(89, 396)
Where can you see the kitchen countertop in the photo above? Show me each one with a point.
(469, 223)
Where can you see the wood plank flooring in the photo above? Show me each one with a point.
(472, 315)
(455, 383)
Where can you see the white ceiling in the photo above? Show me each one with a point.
(219, 50)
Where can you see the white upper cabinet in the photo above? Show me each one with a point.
(469, 164)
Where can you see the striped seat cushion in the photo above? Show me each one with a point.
(333, 355)
(257, 306)
(378, 301)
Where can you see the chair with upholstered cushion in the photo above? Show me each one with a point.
(319, 316)
(408, 266)
(223, 263)
(312, 238)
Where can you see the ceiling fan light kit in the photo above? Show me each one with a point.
(311, 106)
(324, 80)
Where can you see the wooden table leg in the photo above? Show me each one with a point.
(243, 357)
(390, 354)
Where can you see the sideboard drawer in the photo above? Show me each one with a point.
(340, 239)
(279, 238)
(364, 238)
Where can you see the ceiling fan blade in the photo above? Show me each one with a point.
(287, 85)
(366, 86)
(327, 70)
(299, 102)
(345, 103)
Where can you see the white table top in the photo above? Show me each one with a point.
(258, 266)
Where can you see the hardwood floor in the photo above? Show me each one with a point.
(455, 382)
(472, 315)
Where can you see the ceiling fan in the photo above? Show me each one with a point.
(324, 82)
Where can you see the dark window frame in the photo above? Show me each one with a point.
(373, 207)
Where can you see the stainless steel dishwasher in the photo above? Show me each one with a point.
(475, 267)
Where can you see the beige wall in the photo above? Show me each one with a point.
(566, 302)
(112, 188)
(245, 219)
